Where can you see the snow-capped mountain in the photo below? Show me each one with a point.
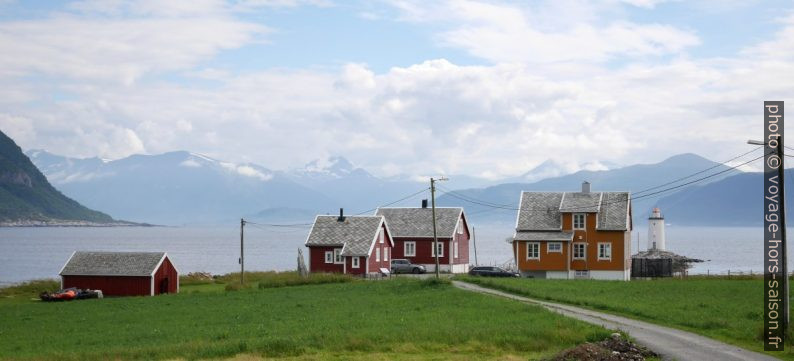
(176, 187)
(320, 171)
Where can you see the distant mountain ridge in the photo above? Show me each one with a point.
(632, 178)
(176, 187)
(28, 198)
(183, 188)
(732, 201)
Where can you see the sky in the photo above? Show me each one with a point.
(483, 88)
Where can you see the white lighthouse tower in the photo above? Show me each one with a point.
(656, 230)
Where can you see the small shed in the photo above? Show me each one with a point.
(121, 273)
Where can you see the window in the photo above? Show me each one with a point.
(605, 251)
(338, 256)
(380, 236)
(578, 221)
(377, 254)
(410, 249)
(440, 250)
(554, 247)
(455, 247)
(581, 274)
(329, 257)
(355, 262)
(533, 250)
(460, 228)
(385, 254)
(579, 251)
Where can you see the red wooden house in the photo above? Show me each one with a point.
(412, 230)
(352, 245)
(121, 273)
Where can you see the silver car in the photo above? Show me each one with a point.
(405, 266)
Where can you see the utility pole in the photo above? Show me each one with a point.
(474, 235)
(435, 235)
(242, 256)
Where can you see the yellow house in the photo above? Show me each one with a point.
(567, 235)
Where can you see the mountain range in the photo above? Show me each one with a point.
(27, 198)
(188, 188)
(499, 202)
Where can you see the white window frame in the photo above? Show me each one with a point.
(440, 249)
(355, 263)
(413, 249)
(558, 250)
(460, 229)
(385, 255)
(584, 250)
(338, 259)
(377, 254)
(380, 237)
(329, 257)
(455, 248)
(607, 247)
(533, 246)
(584, 220)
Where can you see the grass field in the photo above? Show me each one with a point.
(727, 310)
(366, 320)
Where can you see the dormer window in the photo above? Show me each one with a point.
(578, 221)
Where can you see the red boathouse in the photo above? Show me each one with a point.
(121, 273)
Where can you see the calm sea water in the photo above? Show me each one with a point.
(33, 253)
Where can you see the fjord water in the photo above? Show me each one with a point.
(28, 253)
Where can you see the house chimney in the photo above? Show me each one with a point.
(341, 215)
(424, 203)
(585, 187)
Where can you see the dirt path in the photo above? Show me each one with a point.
(672, 344)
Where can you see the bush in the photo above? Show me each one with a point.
(31, 288)
(284, 279)
(435, 282)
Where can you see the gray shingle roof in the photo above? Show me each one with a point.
(614, 212)
(541, 211)
(544, 236)
(355, 234)
(580, 202)
(112, 264)
(418, 222)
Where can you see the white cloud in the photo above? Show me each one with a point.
(547, 94)
(509, 33)
(117, 49)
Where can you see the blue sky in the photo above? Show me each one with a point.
(486, 88)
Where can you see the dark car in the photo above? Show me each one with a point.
(491, 272)
(405, 266)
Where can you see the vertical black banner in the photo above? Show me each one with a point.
(775, 270)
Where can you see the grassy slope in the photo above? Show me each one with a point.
(727, 310)
(400, 319)
(40, 201)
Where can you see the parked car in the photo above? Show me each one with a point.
(491, 272)
(405, 266)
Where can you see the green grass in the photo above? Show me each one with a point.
(727, 310)
(24, 292)
(396, 319)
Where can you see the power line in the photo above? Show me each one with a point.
(505, 207)
(509, 206)
(293, 225)
(700, 172)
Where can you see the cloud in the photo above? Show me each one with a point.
(547, 92)
(123, 48)
(509, 33)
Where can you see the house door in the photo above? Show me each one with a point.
(164, 286)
